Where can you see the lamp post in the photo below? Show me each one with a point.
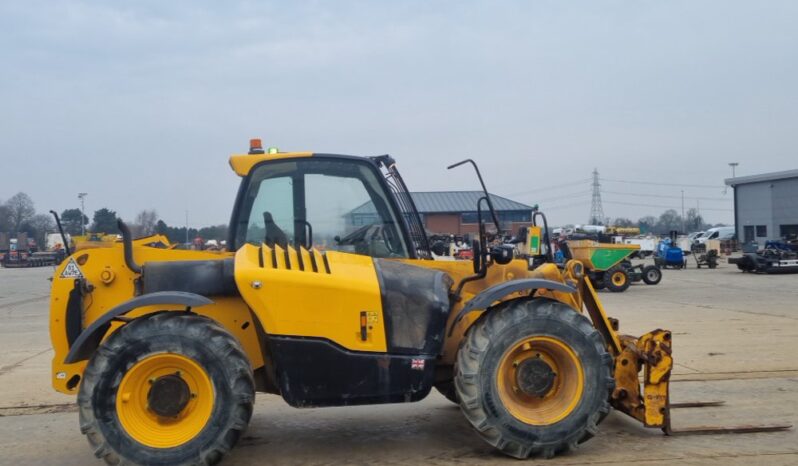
(82, 197)
(683, 228)
(733, 165)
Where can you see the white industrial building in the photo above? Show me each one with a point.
(766, 206)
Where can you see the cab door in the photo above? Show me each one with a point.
(306, 232)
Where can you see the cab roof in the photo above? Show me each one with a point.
(243, 163)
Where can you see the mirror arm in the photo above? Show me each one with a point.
(484, 189)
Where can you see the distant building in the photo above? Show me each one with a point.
(765, 206)
(455, 212)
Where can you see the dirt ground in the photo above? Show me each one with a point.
(734, 340)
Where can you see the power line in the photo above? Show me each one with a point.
(678, 185)
(663, 206)
(582, 197)
(568, 196)
(725, 199)
(564, 206)
(551, 187)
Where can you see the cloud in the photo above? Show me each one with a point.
(139, 104)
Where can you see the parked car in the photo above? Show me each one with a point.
(720, 233)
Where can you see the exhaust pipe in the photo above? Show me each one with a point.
(127, 243)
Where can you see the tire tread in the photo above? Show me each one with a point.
(242, 383)
(475, 344)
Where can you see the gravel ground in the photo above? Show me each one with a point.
(734, 340)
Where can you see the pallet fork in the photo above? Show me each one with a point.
(649, 401)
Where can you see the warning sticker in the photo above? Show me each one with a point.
(71, 270)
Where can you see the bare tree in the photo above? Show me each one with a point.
(38, 226)
(21, 209)
(5, 218)
(623, 222)
(694, 220)
(145, 222)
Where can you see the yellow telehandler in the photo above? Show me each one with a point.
(330, 295)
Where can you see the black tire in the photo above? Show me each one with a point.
(652, 275)
(626, 264)
(615, 284)
(202, 340)
(448, 391)
(597, 279)
(478, 363)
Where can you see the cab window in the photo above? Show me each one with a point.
(325, 204)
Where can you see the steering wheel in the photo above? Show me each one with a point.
(389, 237)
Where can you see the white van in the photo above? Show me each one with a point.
(692, 237)
(719, 233)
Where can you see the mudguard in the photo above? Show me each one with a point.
(495, 292)
(90, 338)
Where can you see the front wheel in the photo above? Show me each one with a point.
(168, 388)
(617, 279)
(652, 274)
(534, 378)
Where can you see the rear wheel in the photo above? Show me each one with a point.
(617, 279)
(652, 274)
(534, 378)
(169, 388)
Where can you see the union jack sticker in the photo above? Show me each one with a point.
(417, 364)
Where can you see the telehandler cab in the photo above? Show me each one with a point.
(329, 295)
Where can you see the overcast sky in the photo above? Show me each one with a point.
(140, 103)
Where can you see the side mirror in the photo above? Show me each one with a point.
(502, 254)
(476, 251)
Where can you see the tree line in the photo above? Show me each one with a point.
(668, 221)
(18, 215)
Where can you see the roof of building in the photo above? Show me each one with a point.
(440, 202)
(762, 177)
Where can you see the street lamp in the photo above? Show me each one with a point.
(733, 165)
(82, 197)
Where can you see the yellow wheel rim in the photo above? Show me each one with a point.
(133, 401)
(554, 397)
(619, 278)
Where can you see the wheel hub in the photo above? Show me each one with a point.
(168, 396)
(535, 377)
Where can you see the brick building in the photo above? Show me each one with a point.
(455, 212)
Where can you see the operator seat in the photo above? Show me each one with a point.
(274, 234)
